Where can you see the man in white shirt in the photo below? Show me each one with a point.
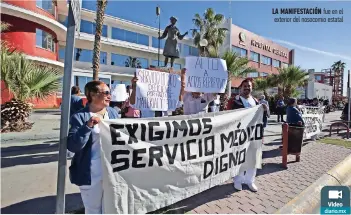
(246, 100)
(197, 102)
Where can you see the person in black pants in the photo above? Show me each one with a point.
(280, 109)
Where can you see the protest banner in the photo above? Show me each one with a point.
(157, 91)
(205, 75)
(313, 118)
(152, 163)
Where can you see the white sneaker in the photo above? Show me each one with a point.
(238, 186)
(252, 187)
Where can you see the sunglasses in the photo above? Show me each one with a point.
(106, 93)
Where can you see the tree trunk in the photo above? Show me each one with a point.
(100, 13)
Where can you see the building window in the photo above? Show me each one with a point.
(162, 63)
(155, 43)
(44, 40)
(318, 77)
(285, 65)
(129, 36)
(276, 63)
(46, 5)
(89, 28)
(113, 82)
(190, 51)
(81, 81)
(254, 56)
(62, 53)
(129, 61)
(252, 75)
(85, 55)
(239, 51)
(264, 74)
(266, 60)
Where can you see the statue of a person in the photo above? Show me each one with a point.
(171, 47)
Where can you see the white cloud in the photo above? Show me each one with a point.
(311, 49)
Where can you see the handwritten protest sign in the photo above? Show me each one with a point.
(207, 75)
(157, 91)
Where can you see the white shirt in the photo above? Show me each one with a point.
(249, 102)
(196, 105)
(96, 166)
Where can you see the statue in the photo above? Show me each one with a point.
(171, 47)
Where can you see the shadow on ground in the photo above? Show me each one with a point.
(215, 193)
(43, 205)
(31, 154)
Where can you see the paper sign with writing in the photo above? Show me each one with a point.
(157, 91)
(206, 75)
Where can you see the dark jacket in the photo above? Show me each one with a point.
(80, 141)
(238, 103)
(76, 104)
(293, 116)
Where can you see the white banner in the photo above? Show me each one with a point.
(152, 163)
(205, 75)
(157, 91)
(313, 118)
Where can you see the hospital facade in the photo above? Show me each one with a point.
(38, 29)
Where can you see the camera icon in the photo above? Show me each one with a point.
(334, 194)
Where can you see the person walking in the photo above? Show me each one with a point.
(246, 100)
(280, 108)
(84, 140)
(266, 114)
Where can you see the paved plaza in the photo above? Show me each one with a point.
(29, 171)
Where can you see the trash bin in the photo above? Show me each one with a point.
(295, 139)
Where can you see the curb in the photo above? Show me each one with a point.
(309, 200)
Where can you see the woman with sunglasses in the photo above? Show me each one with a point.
(84, 141)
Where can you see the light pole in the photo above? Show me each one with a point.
(158, 13)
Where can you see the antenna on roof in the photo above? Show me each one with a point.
(230, 8)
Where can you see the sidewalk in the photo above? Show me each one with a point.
(46, 127)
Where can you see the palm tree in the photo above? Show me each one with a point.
(100, 14)
(288, 79)
(132, 62)
(208, 27)
(25, 80)
(262, 84)
(338, 68)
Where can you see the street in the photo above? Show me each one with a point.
(29, 174)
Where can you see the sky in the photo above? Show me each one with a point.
(317, 45)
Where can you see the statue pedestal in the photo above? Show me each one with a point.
(165, 69)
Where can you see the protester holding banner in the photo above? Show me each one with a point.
(84, 141)
(130, 111)
(246, 100)
(176, 101)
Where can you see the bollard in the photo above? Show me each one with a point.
(285, 149)
(285, 145)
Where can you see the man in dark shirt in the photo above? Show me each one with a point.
(76, 100)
